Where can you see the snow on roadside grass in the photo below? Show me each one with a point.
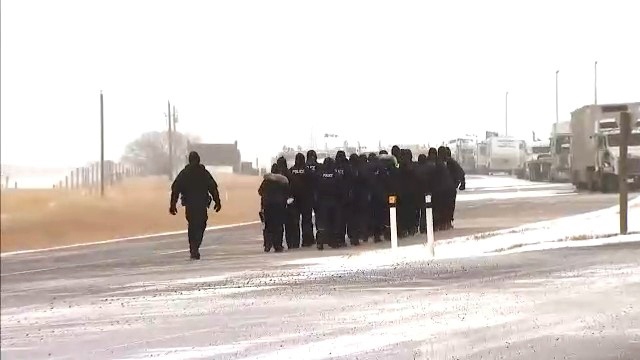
(498, 182)
(462, 197)
(594, 228)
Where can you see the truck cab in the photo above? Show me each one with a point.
(463, 150)
(595, 146)
(560, 146)
(538, 162)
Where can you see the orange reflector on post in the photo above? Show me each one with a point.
(392, 200)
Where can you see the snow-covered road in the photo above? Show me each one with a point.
(142, 299)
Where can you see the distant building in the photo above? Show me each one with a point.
(218, 157)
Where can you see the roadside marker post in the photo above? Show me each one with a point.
(429, 215)
(625, 129)
(392, 221)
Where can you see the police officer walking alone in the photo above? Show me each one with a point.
(198, 189)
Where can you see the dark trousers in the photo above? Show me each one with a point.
(327, 221)
(197, 223)
(358, 222)
(342, 215)
(417, 211)
(380, 220)
(306, 214)
(401, 215)
(292, 227)
(442, 207)
(274, 219)
(453, 204)
(422, 218)
(439, 206)
(406, 214)
(301, 208)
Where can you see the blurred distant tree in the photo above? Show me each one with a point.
(150, 151)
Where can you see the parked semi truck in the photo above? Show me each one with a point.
(595, 146)
(499, 154)
(463, 150)
(560, 145)
(537, 167)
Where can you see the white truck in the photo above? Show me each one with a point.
(500, 154)
(482, 157)
(560, 146)
(595, 146)
(463, 150)
(538, 164)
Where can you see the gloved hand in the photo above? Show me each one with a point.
(173, 210)
(289, 201)
(463, 186)
(217, 207)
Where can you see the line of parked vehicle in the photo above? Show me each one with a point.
(583, 151)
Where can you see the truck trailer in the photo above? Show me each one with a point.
(500, 154)
(595, 146)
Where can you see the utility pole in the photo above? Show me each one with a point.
(174, 131)
(595, 83)
(170, 135)
(557, 71)
(625, 129)
(506, 114)
(101, 145)
(175, 120)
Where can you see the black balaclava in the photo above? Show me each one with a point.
(422, 158)
(433, 153)
(274, 168)
(395, 151)
(312, 156)
(448, 152)
(282, 164)
(341, 157)
(363, 158)
(194, 158)
(354, 160)
(299, 159)
(442, 153)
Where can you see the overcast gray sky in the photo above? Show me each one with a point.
(267, 73)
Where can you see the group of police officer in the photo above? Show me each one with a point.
(349, 197)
